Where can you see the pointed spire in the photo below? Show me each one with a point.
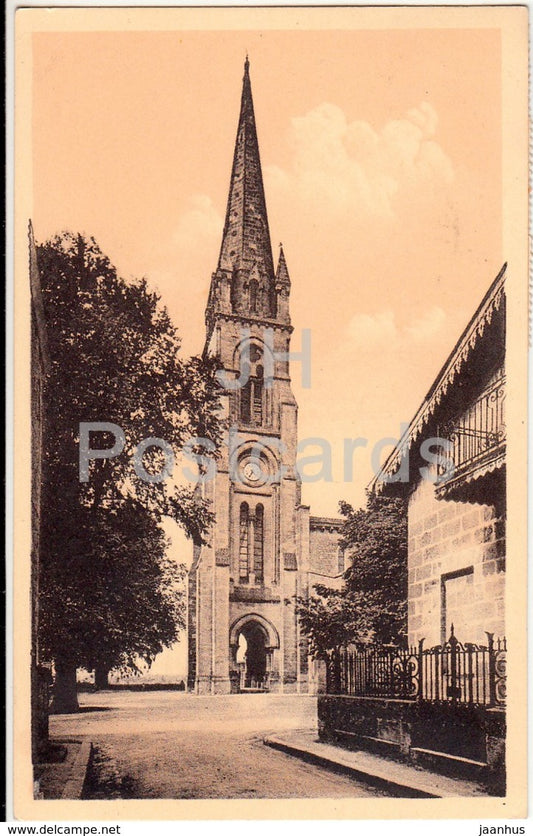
(246, 237)
(244, 282)
(282, 274)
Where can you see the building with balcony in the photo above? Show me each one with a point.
(456, 506)
(440, 701)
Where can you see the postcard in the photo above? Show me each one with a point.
(270, 402)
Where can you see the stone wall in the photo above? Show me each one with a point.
(461, 740)
(456, 569)
(325, 556)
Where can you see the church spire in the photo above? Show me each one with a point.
(283, 287)
(282, 273)
(246, 238)
(245, 283)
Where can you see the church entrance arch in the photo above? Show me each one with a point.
(253, 640)
(252, 659)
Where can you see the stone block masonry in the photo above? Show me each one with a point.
(456, 569)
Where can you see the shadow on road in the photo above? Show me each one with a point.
(103, 780)
(87, 709)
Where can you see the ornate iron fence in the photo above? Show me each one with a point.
(454, 671)
(377, 672)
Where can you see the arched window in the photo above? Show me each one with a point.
(253, 291)
(243, 542)
(246, 402)
(234, 292)
(251, 394)
(258, 543)
(273, 302)
(257, 396)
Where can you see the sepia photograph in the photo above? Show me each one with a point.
(270, 380)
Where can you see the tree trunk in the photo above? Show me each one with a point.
(336, 672)
(101, 681)
(65, 700)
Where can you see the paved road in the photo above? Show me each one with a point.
(166, 744)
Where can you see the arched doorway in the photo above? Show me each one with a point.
(253, 640)
(255, 658)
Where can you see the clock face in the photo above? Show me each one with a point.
(253, 471)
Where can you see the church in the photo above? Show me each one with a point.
(265, 549)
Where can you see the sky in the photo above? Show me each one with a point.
(381, 155)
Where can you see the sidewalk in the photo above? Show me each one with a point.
(401, 780)
(63, 777)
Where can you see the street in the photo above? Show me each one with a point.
(167, 744)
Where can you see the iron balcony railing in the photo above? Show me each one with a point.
(463, 673)
(479, 433)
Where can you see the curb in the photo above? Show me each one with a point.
(394, 787)
(74, 786)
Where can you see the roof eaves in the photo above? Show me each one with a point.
(445, 378)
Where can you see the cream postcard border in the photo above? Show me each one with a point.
(512, 21)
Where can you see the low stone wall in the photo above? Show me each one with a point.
(461, 740)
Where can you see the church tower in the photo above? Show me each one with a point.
(243, 627)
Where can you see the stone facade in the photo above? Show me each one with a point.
(263, 551)
(456, 569)
(328, 561)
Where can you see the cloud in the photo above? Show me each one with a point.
(190, 256)
(351, 167)
(199, 225)
(426, 326)
(371, 331)
(367, 331)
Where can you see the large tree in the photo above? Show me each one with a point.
(376, 537)
(110, 596)
(372, 603)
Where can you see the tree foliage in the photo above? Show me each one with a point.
(121, 596)
(372, 604)
(109, 593)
